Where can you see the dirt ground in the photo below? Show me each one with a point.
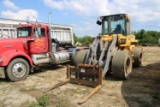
(141, 90)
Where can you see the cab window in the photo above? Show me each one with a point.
(113, 25)
(24, 32)
(42, 32)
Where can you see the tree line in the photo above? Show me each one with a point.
(86, 40)
(144, 36)
(147, 37)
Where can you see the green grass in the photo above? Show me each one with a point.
(22, 89)
(51, 100)
(42, 102)
(34, 105)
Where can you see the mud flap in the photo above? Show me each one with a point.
(2, 72)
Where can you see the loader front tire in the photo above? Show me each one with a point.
(79, 56)
(18, 69)
(122, 65)
(137, 57)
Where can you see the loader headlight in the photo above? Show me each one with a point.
(123, 41)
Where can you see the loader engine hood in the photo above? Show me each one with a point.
(12, 44)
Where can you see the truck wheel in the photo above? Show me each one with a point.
(18, 69)
(137, 57)
(122, 64)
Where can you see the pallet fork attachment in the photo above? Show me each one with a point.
(109, 52)
(85, 74)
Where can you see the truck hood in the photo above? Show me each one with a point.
(11, 44)
(11, 41)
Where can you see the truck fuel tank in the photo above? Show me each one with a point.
(61, 56)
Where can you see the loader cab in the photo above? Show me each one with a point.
(115, 24)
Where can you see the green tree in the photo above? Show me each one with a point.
(84, 40)
(147, 37)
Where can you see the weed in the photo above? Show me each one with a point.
(43, 101)
(59, 104)
(62, 103)
(22, 89)
(33, 104)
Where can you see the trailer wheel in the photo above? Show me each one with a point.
(137, 57)
(122, 64)
(18, 69)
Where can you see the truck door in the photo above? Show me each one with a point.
(40, 42)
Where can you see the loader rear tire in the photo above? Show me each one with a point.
(137, 57)
(122, 65)
(79, 56)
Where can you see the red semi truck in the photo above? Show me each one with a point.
(33, 46)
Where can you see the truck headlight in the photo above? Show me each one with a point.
(1, 60)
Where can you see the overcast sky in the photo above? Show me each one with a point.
(83, 14)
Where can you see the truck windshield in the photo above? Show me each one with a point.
(113, 25)
(23, 32)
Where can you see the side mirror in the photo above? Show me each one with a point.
(99, 22)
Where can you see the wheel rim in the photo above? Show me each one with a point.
(19, 70)
(127, 66)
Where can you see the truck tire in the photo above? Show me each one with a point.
(79, 56)
(18, 69)
(137, 57)
(122, 65)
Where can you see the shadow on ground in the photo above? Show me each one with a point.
(142, 89)
(46, 67)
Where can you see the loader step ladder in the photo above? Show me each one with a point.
(85, 74)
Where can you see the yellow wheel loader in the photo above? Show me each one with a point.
(113, 51)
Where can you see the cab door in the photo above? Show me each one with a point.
(39, 45)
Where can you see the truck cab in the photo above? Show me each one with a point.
(33, 46)
(36, 42)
